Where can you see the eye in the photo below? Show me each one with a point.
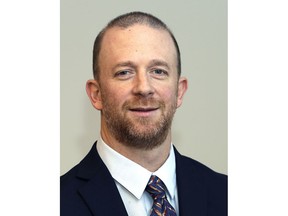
(159, 72)
(124, 74)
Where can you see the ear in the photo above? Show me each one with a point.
(182, 87)
(94, 94)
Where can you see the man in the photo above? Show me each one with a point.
(133, 169)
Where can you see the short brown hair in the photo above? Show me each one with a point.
(125, 21)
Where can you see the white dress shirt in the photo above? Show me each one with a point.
(131, 180)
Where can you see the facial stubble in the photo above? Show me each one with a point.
(139, 132)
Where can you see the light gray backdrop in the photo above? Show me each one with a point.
(200, 26)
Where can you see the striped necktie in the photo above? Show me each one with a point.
(161, 206)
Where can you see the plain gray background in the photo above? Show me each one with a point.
(200, 27)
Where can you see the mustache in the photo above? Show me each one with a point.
(143, 102)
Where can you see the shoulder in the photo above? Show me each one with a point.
(196, 166)
(213, 183)
(206, 186)
(201, 172)
(88, 167)
(189, 165)
(69, 179)
(71, 202)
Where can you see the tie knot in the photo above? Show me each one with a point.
(156, 188)
(161, 206)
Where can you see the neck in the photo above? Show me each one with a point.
(151, 159)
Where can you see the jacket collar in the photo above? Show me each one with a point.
(100, 192)
(192, 195)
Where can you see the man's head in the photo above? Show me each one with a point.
(138, 87)
(125, 21)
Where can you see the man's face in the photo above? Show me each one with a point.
(138, 85)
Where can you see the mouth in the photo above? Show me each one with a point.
(143, 111)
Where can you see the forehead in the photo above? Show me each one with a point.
(136, 40)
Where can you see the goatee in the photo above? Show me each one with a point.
(140, 132)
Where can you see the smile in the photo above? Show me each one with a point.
(143, 111)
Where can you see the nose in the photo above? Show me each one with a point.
(143, 85)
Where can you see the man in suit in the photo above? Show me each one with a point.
(133, 169)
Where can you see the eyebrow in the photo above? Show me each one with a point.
(152, 63)
(125, 64)
(157, 62)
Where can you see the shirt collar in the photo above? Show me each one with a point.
(167, 173)
(134, 177)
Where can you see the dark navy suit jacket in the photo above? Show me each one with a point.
(89, 189)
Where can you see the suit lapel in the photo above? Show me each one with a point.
(192, 196)
(100, 193)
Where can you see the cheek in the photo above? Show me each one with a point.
(113, 96)
(169, 95)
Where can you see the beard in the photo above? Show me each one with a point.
(138, 132)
